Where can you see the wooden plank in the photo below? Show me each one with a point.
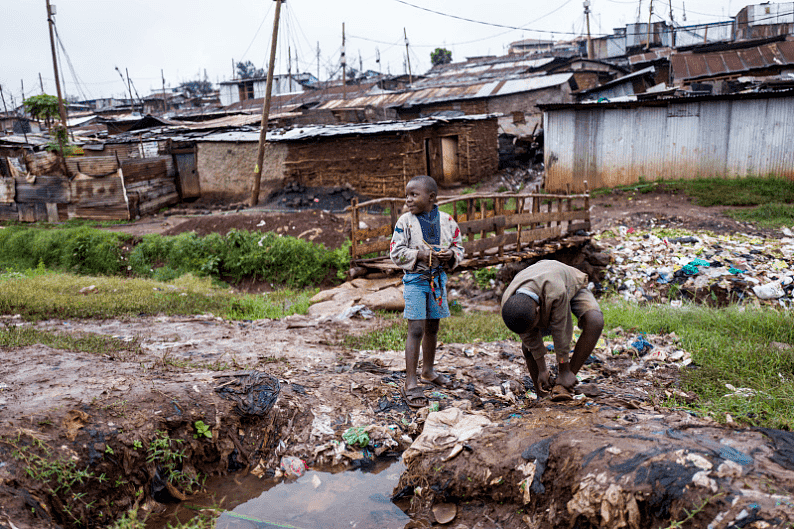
(7, 190)
(117, 212)
(94, 192)
(480, 245)
(525, 219)
(474, 226)
(52, 212)
(27, 212)
(149, 206)
(9, 211)
(539, 234)
(54, 189)
(93, 165)
(369, 233)
(146, 169)
(379, 246)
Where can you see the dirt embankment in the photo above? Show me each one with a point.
(613, 454)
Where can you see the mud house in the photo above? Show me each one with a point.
(377, 159)
(617, 143)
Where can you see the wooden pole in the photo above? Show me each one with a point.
(41, 83)
(21, 124)
(344, 65)
(408, 57)
(61, 109)
(165, 105)
(648, 37)
(260, 156)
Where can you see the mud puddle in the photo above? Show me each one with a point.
(340, 499)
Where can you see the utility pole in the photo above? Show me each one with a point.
(21, 124)
(344, 65)
(408, 57)
(377, 58)
(61, 109)
(318, 62)
(4, 100)
(165, 105)
(289, 67)
(650, 13)
(129, 87)
(590, 52)
(360, 63)
(260, 156)
(234, 72)
(41, 83)
(672, 24)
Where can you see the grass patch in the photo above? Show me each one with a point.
(40, 294)
(767, 215)
(728, 346)
(118, 349)
(748, 191)
(237, 255)
(458, 328)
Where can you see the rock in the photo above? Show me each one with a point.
(387, 299)
(329, 308)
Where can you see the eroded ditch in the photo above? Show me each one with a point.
(491, 453)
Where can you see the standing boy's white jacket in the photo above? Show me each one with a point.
(407, 241)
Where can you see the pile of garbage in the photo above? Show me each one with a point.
(658, 266)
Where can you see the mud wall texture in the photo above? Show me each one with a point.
(380, 166)
(225, 169)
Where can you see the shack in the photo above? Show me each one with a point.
(613, 144)
(377, 159)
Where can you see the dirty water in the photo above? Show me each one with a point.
(329, 499)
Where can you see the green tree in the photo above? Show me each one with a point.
(247, 70)
(197, 87)
(42, 107)
(440, 56)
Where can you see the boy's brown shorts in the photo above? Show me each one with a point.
(583, 302)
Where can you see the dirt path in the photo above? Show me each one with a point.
(105, 414)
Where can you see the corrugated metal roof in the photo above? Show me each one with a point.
(687, 66)
(650, 56)
(410, 98)
(479, 71)
(315, 131)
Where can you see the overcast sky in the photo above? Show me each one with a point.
(186, 39)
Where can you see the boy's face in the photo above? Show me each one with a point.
(417, 198)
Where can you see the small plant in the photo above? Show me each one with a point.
(356, 436)
(136, 445)
(484, 276)
(163, 451)
(109, 450)
(202, 430)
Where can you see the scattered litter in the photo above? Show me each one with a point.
(356, 310)
(293, 467)
(254, 392)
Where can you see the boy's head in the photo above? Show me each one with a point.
(520, 313)
(420, 194)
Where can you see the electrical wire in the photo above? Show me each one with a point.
(77, 80)
(256, 33)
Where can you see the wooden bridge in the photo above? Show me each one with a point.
(496, 227)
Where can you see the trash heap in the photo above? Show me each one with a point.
(668, 266)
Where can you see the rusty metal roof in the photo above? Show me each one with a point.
(650, 56)
(423, 96)
(315, 131)
(688, 66)
(480, 70)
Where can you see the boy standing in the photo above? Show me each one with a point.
(425, 241)
(538, 302)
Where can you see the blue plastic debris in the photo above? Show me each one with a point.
(642, 345)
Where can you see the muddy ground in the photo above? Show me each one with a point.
(84, 437)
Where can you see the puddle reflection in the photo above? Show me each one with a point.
(350, 499)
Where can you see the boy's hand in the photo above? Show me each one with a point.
(445, 255)
(423, 256)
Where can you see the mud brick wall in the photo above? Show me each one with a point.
(375, 165)
(381, 165)
(528, 102)
(225, 169)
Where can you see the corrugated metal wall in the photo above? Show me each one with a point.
(611, 147)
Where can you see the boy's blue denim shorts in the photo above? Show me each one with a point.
(420, 302)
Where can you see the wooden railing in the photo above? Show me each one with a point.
(496, 227)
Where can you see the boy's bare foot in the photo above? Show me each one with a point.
(437, 379)
(565, 376)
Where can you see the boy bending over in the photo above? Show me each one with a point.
(538, 302)
(424, 243)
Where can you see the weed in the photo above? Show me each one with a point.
(129, 520)
(164, 452)
(694, 512)
(484, 276)
(356, 436)
(114, 348)
(202, 430)
(136, 445)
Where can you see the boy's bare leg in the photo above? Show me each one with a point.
(592, 323)
(538, 372)
(429, 350)
(416, 328)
